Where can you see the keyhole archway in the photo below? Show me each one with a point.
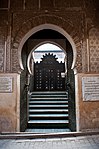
(53, 36)
(55, 28)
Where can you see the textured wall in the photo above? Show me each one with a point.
(77, 17)
(94, 49)
(88, 113)
(9, 108)
(14, 14)
(18, 17)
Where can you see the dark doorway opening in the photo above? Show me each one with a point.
(48, 74)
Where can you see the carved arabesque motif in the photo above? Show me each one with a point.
(36, 21)
(94, 49)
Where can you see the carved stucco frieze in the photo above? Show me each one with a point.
(94, 49)
(36, 21)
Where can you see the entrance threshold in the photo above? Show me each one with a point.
(26, 135)
(47, 130)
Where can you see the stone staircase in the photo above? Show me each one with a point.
(48, 110)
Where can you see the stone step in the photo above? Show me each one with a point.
(48, 115)
(48, 96)
(48, 92)
(55, 131)
(48, 99)
(49, 110)
(48, 106)
(48, 102)
(47, 125)
(48, 121)
(48, 118)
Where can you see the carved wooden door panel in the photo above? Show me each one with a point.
(47, 74)
(49, 79)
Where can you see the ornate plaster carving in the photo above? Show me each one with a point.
(44, 22)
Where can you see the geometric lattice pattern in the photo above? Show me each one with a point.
(94, 49)
(79, 59)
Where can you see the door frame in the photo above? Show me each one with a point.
(73, 45)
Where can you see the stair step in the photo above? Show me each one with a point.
(48, 121)
(48, 118)
(49, 92)
(48, 115)
(48, 102)
(48, 110)
(37, 130)
(48, 125)
(48, 106)
(46, 98)
(49, 95)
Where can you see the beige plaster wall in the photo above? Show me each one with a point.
(87, 112)
(9, 106)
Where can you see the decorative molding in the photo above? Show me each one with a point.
(37, 23)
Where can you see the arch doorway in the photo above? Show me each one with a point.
(50, 77)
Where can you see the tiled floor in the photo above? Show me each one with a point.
(84, 142)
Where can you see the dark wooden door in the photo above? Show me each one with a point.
(47, 74)
(49, 79)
